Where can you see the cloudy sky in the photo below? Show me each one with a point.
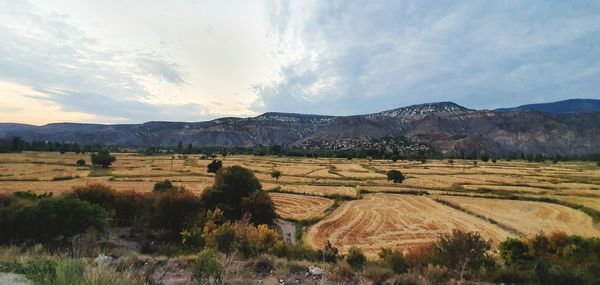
(117, 61)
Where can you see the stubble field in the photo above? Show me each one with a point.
(372, 212)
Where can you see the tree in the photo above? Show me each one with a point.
(81, 162)
(232, 186)
(214, 166)
(395, 176)
(260, 206)
(103, 158)
(356, 259)
(179, 148)
(276, 174)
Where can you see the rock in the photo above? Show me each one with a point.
(103, 259)
(14, 279)
(313, 270)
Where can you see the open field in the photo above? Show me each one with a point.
(369, 221)
(396, 221)
(300, 207)
(530, 217)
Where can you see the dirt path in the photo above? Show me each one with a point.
(288, 230)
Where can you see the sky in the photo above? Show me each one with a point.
(133, 61)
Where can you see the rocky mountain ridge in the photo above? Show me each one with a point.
(443, 126)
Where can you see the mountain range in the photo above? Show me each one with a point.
(570, 127)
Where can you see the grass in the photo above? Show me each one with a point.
(44, 268)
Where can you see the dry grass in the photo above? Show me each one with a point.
(300, 207)
(394, 221)
(530, 217)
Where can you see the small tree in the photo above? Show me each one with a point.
(329, 253)
(462, 251)
(394, 260)
(356, 259)
(163, 186)
(276, 174)
(214, 166)
(395, 176)
(103, 158)
(81, 162)
(394, 158)
(207, 269)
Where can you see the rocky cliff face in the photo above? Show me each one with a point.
(443, 126)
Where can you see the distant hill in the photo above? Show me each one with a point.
(567, 128)
(571, 106)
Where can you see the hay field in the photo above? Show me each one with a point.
(530, 217)
(370, 221)
(395, 221)
(300, 207)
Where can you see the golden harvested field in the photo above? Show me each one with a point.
(530, 217)
(371, 220)
(300, 207)
(395, 221)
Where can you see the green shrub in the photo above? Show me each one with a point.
(214, 166)
(163, 186)
(514, 251)
(80, 162)
(207, 269)
(356, 259)
(48, 218)
(462, 250)
(329, 253)
(394, 260)
(175, 209)
(126, 206)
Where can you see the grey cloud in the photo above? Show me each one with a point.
(162, 70)
(364, 56)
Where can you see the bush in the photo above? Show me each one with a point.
(276, 174)
(103, 158)
(263, 265)
(175, 209)
(356, 259)
(80, 162)
(329, 253)
(222, 238)
(126, 206)
(394, 260)
(47, 219)
(395, 176)
(163, 186)
(462, 250)
(207, 269)
(514, 251)
(214, 166)
(377, 274)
